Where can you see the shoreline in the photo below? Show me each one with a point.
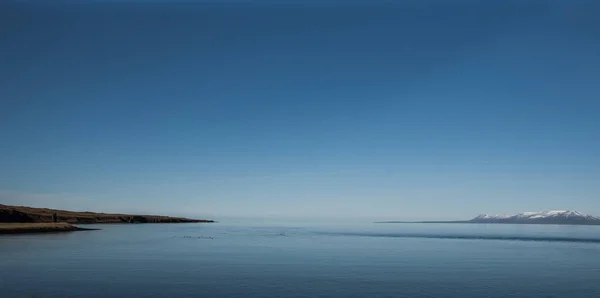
(38, 228)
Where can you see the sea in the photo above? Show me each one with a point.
(338, 260)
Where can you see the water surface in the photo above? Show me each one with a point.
(305, 260)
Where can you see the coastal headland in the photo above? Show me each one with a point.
(21, 219)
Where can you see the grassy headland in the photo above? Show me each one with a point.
(21, 214)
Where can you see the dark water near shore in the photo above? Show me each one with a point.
(284, 260)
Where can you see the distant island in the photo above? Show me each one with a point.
(562, 217)
(21, 219)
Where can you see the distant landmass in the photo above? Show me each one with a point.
(21, 214)
(562, 217)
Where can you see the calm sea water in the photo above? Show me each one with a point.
(275, 260)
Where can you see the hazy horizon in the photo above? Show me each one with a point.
(409, 110)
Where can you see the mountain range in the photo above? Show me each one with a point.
(542, 217)
(556, 217)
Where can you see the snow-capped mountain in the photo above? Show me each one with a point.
(549, 217)
(488, 216)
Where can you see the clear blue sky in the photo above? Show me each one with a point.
(375, 110)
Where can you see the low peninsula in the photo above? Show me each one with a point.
(39, 227)
(21, 219)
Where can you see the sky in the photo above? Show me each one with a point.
(370, 110)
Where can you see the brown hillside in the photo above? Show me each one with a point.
(39, 215)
